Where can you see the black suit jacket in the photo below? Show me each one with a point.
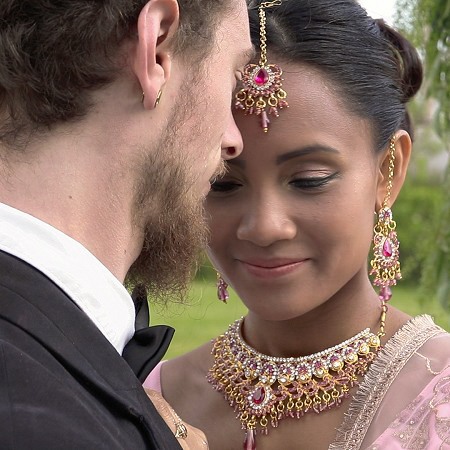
(62, 384)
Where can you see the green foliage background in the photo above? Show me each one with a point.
(427, 24)
(417, 207)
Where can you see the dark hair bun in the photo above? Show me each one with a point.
(408, 60)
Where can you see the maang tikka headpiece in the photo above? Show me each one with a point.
(262, 94)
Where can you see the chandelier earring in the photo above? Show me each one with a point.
(262, 93)
(385, 263)
(222, 289)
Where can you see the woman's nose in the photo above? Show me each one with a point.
(265, 223)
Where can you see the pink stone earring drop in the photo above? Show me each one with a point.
(385, 263)
(262, 93)
(222, 289)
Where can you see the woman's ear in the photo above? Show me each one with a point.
(402, 154)
(157, 24)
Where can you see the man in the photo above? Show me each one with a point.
(114, 115)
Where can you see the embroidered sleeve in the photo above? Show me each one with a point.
(360, 419)
(424, 424)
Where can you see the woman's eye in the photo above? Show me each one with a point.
(313, 182)
(224, 186)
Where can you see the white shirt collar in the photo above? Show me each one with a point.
(74, 269)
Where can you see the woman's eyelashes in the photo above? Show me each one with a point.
(313, 182)
(223, 185)
(307, 183)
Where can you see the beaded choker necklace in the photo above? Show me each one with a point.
(264, 389)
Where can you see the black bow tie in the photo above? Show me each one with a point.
(149, 344)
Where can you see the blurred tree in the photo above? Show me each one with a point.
(427, 24)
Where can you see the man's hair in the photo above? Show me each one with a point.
(54, 53)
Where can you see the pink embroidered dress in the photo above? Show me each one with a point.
(403, 402)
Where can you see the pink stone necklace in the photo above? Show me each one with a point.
(265, 389)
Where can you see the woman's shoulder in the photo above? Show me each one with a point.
(187, 368)
(431, 340)
(194, 362)
(184, 377)
(186, 388)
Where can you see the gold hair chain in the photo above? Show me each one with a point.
(262, 29)
(262, 94)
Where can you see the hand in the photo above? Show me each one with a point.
(189, 437)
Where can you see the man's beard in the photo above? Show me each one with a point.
(175, 226)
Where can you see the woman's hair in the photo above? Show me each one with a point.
(374, 69)
(53, 53)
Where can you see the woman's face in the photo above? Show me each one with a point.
(291, 222)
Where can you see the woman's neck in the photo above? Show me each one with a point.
(338, 319)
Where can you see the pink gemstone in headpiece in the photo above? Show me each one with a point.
(262, 77)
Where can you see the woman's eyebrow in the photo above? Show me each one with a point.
(304, 151)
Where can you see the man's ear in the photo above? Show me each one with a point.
(402, 154)
(157, 24)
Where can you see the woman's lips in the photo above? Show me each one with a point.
(271, 268)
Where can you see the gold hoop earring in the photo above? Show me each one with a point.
(158, 98)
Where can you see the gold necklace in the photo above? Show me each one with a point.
(265, 389)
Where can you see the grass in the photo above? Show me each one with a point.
(205, 317)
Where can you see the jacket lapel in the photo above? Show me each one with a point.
(44, 311)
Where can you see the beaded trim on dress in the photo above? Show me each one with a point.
(391, 359)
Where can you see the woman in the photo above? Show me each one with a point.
(319, 361)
